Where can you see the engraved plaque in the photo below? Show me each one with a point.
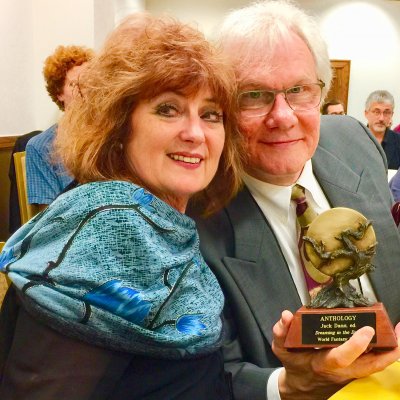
(334, 328)
(339, 244)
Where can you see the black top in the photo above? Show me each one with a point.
(391, 146)
(40, 364)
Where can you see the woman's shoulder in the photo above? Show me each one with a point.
(94, 195)
(114, 191)
(119, 194)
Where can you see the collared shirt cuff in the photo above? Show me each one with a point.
(273, 385)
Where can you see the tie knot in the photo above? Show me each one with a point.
(298, 194)
(304, 213)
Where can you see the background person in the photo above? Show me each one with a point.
(112, 288)
(394, 185)
(252, 245)
(379, 108)
(333, 107)
(45, 174)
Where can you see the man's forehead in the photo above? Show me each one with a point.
(381, 106)
(255, 73)
(291, 63)
(75, 71)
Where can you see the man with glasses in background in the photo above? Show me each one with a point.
(379, 112)
(284, 73)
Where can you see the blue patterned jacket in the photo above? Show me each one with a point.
(113, 265)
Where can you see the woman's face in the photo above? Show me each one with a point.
(176, 144)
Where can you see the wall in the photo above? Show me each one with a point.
(6, 145)
(366, 32)
(16, 46)
(30, 30)
(371, 40)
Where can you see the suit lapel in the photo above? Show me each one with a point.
(258, 257)
(344, 188)
(259, 267)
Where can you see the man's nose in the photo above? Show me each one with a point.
(281, 113)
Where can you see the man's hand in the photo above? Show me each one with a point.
(318, 374)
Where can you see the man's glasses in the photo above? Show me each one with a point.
(385, 113)
(256, 103)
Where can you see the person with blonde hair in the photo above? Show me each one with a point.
(252, 245)
(115, 299)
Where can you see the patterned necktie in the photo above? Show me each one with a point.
(305, 215)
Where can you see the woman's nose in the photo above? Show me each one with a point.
(193, 130)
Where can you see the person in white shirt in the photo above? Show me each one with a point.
(283, 70)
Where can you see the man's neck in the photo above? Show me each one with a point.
(379, 136)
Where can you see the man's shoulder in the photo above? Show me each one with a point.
(218, 231)
(340, 123)
(346, 134)
(43, 139)
(392, 135)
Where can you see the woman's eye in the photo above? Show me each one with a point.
(167, 110)
(213, 116)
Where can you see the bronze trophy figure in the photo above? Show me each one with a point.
(339, 247)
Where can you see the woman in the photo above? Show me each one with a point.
(115, 299)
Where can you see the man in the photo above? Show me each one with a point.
(283, 72)
(378, 112)
(333, 107)
(47, 178)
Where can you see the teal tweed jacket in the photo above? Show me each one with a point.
(113, 265)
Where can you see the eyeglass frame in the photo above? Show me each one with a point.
(384, 113)
(320, 83)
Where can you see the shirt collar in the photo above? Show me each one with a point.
(308, 180)
(277, 198)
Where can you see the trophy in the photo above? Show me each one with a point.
(338, 247)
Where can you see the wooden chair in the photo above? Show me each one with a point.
(27, 210)
(4, 282)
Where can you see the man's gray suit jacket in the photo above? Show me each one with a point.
(242, 250)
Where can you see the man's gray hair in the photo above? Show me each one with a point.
(379, 96)
(245, 31)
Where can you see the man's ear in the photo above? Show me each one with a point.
(60, 97)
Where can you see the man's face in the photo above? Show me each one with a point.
(70, 88)
(379, 117)
(335, 109)
(280, 143)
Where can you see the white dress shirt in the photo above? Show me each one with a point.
(274, 201)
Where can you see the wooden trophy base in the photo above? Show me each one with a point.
(325, 327)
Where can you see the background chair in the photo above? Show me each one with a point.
(4, 283)
(27, 211)
(14, 210)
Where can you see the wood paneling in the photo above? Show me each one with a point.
(340, 83)
(7, 142)
(5, 156)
